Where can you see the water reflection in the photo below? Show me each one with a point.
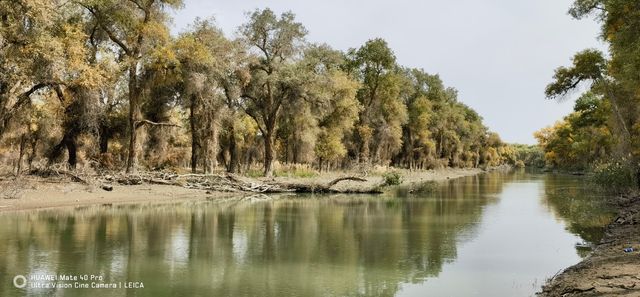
(577, 203)
(288, 246)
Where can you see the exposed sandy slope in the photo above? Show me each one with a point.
(608, 271)
(37, 193)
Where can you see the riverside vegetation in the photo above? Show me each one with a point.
(603, 132)
(101, 88)
(602, 136)
(102, 85)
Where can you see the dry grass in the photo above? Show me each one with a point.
(13, 188)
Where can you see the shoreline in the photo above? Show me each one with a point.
(35, 193)
(608, 270)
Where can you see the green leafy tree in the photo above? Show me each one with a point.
(273, 82)
(139, 29)
(581, 138)
(379, 130)
(334, 100)
(206, 58)
(615, 80)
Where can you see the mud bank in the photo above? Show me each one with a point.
(609, 270)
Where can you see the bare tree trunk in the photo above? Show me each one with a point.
(212, 144)
(195, 144)
(205, 157)
(364, 151)
(134, 115)
(32, 155)
(296, 152)
(23, 143)
(69, 142)
(72, 149)
(268, 154)
(104, 142)
(233, 151)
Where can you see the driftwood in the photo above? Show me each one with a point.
(52, 171)
(317, 188)
(209, 182)
(352, 178)
(232, 183)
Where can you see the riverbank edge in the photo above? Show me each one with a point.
(609, 269)
(34, 193)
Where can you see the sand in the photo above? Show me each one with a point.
(30, 193)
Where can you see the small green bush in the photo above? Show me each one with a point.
(254, 173)
(616, 176)
(392, 178)
(295, 171)
(425, 188)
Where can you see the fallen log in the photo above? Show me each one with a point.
(352, 178)
(327, 189)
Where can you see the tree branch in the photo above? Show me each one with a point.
(137, 4)
(140, 123)
(351, 178)
(253, 116)
(110, 33)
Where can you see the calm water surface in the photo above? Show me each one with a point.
(491, 235)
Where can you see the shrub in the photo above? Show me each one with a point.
(296, 170)
(254, 173)
(616, 176)
(425, 188)
(392, 178)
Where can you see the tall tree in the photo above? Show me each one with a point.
(615, 79)
(137, 28)
(418, 147)
(47, 49)
(208, 60)
(379, 129)
(314, 129)
(277, 42)
(30, 52)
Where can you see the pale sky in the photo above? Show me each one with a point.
(499, 54)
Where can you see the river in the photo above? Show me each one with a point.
(496, 234)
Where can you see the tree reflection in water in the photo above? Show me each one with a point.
(340, 245)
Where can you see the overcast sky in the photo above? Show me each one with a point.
(499, 54)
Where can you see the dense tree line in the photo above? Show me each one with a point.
(103, 82)
(604, 130)
(582, 138)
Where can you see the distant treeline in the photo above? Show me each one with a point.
(102, 82)
(603, 132)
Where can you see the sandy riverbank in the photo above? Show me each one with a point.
(408, 177)
(29, 192)
(609, 270)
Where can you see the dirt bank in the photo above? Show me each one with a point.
(609, 270)
(408, 177)
(30, 192)
(37, 193)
